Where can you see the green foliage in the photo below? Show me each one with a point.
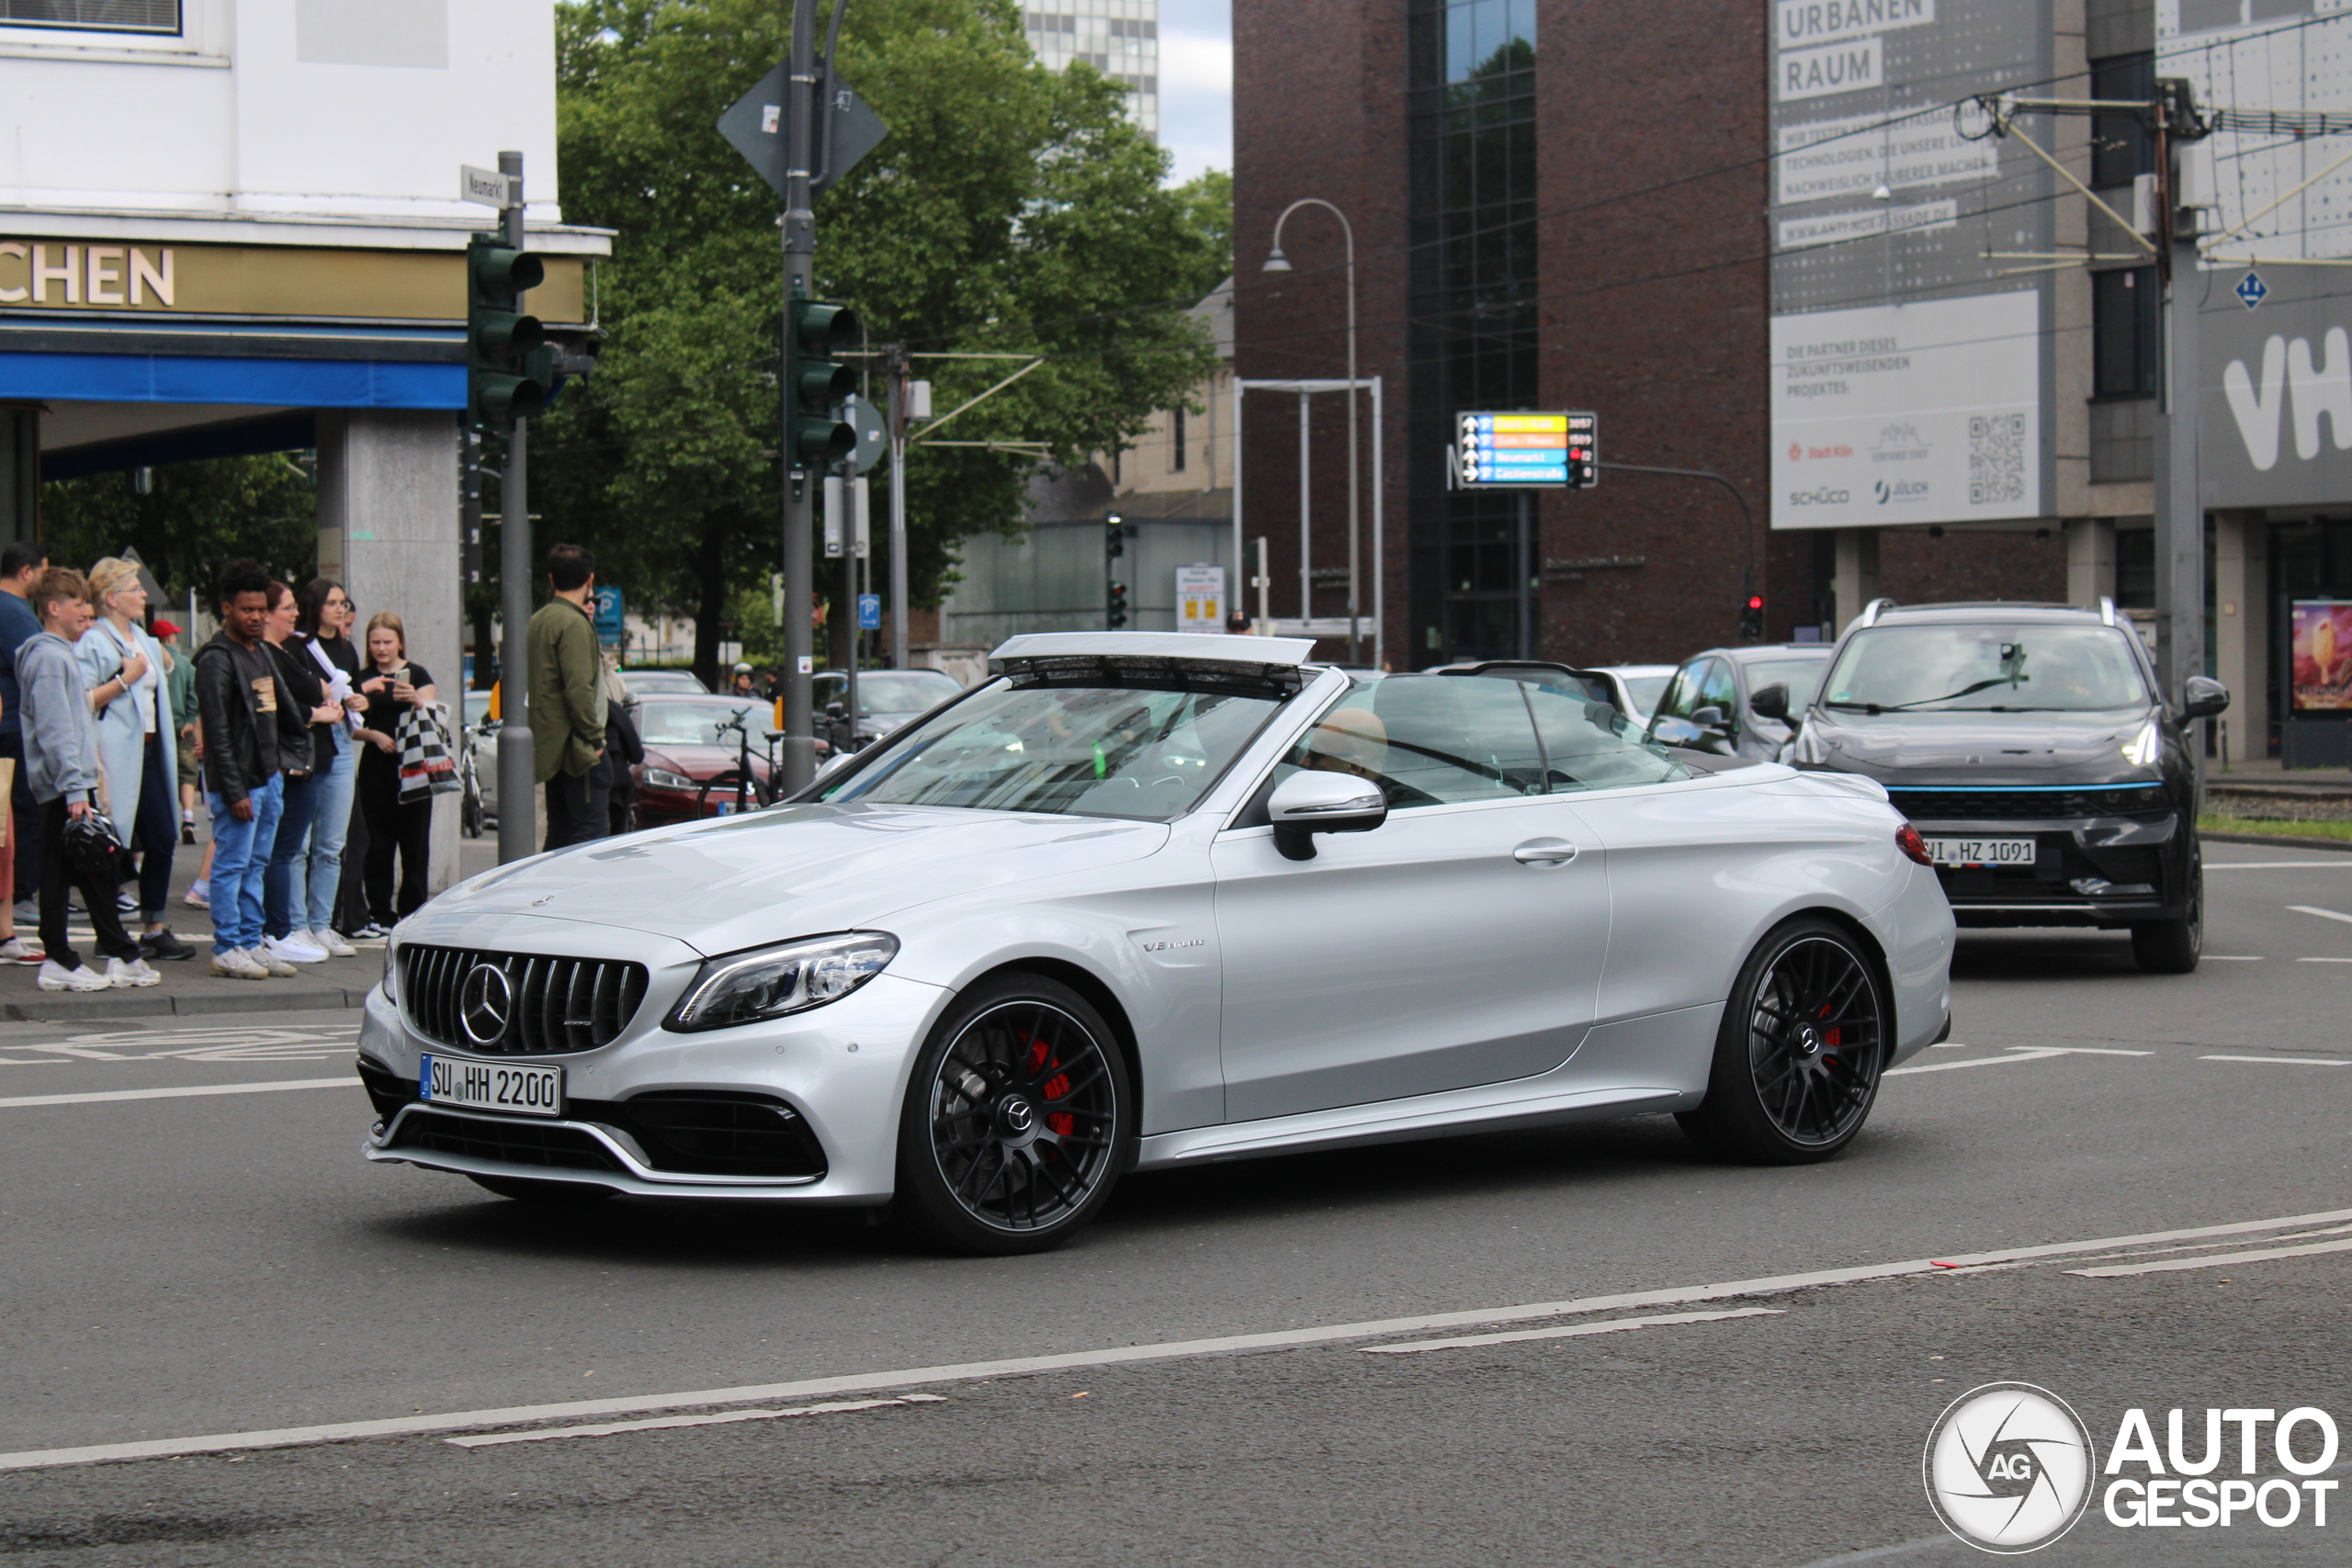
(1208, 212)
(197, 517)
(1011, 211)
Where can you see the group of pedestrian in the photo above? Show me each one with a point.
(289, 737)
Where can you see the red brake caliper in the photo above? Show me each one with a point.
(1060, 1121)
(1831, 1038)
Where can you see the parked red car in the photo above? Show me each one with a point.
(684, 749)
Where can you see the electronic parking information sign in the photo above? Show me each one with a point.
(1518, 450)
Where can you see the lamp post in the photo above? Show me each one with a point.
(1277, 261)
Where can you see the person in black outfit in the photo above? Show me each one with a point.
(394, 826)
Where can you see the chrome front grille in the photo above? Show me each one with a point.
(547, 1004)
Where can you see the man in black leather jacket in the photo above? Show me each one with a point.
(237, 699)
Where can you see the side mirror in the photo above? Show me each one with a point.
(2202, 697)
(831, 762)
(1710, 717)
(1772, 701)
(833, 710)
(1312, 802)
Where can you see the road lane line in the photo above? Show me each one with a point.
(2323, 960)
(2276, 864)
(2323, 914)
(659, 1422)
(2233, 958)
(1118, 1355)
(2019, 1053)
(2299, 1061)
(344, 1082)
(2117, 1271)
(1576, 1331)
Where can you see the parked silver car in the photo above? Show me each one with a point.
(1148, 900)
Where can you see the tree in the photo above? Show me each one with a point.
(194, 517)
(1012, 210)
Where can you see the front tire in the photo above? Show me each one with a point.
(1019, 1118)
(2173, 947)
(1797, 1058)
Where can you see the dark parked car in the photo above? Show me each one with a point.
(1711, 704)
(2033, 750)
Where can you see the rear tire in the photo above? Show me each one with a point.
(555, 1194)
(2173, 947)
(1805, 1035)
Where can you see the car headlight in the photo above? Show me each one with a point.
(391, 973)
(2142, 749)
(770, 982)
(662, 778)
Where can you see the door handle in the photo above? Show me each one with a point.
(1544, 852)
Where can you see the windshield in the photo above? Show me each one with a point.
(1994, 669)
(648, 680)
(902, 691)
(663, 723)
(1072, 750)
(1802, 676)
(1644, 691)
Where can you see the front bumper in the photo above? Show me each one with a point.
(841, 1071)
(2106, 871)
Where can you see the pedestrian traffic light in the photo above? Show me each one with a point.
(815, 383)
(1115, 537)
(1114, 612)
(510, 368)
(1751, 618)
(1116, 531)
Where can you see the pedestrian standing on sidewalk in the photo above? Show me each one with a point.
(61, 755)
(303, 714)
(393, 826)
(237, 701)
(323, 631)
(138, 760)
(179, 688)
(21, 564)
(567, 704)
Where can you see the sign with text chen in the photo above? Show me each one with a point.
(1516, 450)
(1908, 413)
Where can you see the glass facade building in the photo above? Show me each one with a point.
(1118, 38)
(1472, 304)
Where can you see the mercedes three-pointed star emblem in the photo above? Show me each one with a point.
(484, 1004)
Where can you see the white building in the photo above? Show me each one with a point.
(1118, 38)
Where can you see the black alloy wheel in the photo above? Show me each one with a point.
(1797, 1059)
(2173, 947)
(1018, 1120)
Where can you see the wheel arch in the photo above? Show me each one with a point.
(1873, 948)
(1098, 994)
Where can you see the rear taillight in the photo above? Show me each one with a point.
(1908, 840)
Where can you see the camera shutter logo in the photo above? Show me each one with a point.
(2008, 1467)
(484, 1004)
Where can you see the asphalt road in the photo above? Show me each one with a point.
(186, 1266)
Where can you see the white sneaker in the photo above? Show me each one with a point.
(236, 964)
(21, 950)
(134, 973)
(332, 944)
(292, 948)
(271, 963)
(55, 976)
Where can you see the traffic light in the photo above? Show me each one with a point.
(1751, 618)
(816, 382)
(510, 368)
(1584, 450)
(1116, 531)
(1114, 612)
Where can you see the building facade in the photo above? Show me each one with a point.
(1118, 38)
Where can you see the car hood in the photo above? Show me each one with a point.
(1975, 749)
(727, 882)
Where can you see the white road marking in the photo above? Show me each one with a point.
(657, 1423)
(2019, 1053)
(2276, 864)
(2233, 958)
(344, 1082)
(2117, 1271)
(2323, 960)
(1121, 1355)
(2323, 914)
(1575, 1332)
(2300, 1061)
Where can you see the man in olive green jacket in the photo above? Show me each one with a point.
(567, 691)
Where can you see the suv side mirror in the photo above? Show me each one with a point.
(1772, 701)
(2202, 697)
(1312, 801)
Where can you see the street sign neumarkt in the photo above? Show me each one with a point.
(1520, 450)
(754, 127)
(485, 188)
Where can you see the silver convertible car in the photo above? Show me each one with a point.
(1145, 900)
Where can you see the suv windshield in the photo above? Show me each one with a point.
(2018, 668)
(1136, 752)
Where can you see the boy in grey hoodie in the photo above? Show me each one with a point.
(61, 768)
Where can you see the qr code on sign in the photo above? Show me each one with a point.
(1995, 459)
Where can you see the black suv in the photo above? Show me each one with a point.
(2030, 747)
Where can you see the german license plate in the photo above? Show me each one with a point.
(1980, 851)
(491, 1086)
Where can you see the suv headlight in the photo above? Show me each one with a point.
(2144, 749)
(770, 982)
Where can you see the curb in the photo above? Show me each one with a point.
(2281, 840)
(69, 1007)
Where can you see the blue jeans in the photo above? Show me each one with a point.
(331, 791)
(237, 868)
(282, 883)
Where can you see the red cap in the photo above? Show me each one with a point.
(164, 628)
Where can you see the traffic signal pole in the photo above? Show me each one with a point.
(799, 754)
(895, 360)
(517, 767)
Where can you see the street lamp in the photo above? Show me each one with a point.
(1277, 261)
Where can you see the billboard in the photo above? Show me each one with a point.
(2320, 654)
(1911, 379)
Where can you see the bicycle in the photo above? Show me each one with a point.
(472, 815)
(749, 788)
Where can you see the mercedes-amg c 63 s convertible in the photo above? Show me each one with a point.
(1142, 900)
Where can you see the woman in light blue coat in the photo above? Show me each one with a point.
(138, 752)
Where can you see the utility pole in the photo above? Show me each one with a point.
(2179, 498)
(895, 364)
(799, 746)
(518, 766)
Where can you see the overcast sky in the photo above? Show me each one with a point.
(1196, 85)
